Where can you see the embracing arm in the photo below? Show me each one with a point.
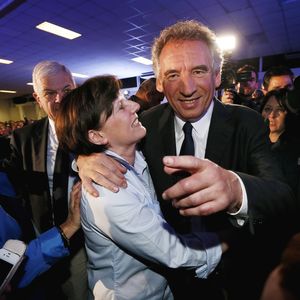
(102, 169)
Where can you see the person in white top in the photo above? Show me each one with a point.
(129, 243)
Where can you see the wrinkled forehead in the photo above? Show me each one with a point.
(185, 51)
(55, 82)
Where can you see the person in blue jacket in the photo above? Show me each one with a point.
(43, 251)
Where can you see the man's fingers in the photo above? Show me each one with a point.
(184, 163)
(103, 170)
(207, 201)
(171, 171)
(202, 210)
(110, 177)
(88, 185)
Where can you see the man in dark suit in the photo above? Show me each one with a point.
(39, 170)
(233, 179)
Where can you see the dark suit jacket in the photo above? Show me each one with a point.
(237, 140)
(28, 171)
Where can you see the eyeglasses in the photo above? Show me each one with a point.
(277, 110)
(51, 95)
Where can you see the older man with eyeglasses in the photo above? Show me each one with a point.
(42, 176)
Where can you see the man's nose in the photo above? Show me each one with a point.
(59, 96)
(188, 86)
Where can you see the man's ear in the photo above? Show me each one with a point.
(37, 99)
(159, 84)
(264, 90)
(96, 137)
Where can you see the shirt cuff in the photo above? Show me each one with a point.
(242, 214)
(212, 246)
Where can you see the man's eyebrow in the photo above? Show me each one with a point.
(170, 71)
(202, 67)
(50, 90)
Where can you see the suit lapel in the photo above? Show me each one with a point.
(40, 140)
(167, 132)
(60, 186)
(220, 133)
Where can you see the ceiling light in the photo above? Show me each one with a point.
(5, 61)
(142, 60)
(226, 43)
(8, 92)
(60, 31)
(79, 75)
(29, 83)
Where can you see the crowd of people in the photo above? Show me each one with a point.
(7, 127)
(195, 198)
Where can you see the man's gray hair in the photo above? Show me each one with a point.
(191, 31)
(48, 68)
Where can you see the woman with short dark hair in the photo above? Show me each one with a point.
(128, 241)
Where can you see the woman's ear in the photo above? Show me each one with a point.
(96, 137)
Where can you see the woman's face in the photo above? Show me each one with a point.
(275, 114)
(122, 128)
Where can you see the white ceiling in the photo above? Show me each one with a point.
(114, 31)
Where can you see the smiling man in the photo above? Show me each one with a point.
(233, 178)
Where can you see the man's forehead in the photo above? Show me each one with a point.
(185, 53)
(280, 80)
(55, 82)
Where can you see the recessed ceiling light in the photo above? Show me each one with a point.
(7, 91)
(142, 60)
(79, 75)
(29, 83)
(5, 61)
(58, 30)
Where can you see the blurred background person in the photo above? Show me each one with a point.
(283, 282)
(283, 127)
(147, 95)
(245, 86)
(278, 77)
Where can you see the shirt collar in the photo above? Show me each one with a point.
(201, 126)
(52, 131)
(139, 163)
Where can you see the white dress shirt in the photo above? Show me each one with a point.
(52, 147)
(200, 135)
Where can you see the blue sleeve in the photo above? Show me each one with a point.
(9, 228)
(42, 253)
